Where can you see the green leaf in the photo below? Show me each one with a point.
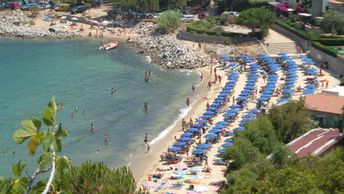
(61, 132)
(62, 163)
(3, 184)
(44, 160)
(18, 168)
(39, 187)
(57, 145)
(37, 123)
(20, 135)
(30, 125)
(49, 116)
(46, 141)
(52, 104)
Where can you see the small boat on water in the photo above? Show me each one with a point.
(109, 46)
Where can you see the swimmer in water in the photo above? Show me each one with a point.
(106, 139)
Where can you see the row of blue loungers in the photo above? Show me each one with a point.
(186, 139)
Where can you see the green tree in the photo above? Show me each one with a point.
(261, 134)
(91, 178)
(49, 140)
(256, 18)
(281, 156)
(333, 22)
(168, 21)
(290, 120)
(240, 153)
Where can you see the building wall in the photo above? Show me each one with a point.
(326, 120)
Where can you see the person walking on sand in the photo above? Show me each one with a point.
(193, 88)
(146, 138)
(209, 84)
(106, 139)
(201, 76)
(92, 128)
(188, 101)
(148, 148)
(219, 77)
(184, 125)
(145, 108)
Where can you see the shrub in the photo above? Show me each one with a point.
(333, 22)
(324, 48)
(168, 21)
(298, 32)
(330, 41)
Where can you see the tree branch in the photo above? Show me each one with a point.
(33, 177)
(52, 174)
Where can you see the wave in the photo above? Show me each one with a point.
(183, 112)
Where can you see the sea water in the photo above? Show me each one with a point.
(79, 75)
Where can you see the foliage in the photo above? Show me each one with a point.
(49, 140)
(256, 18)
(333, 22)
(240, 153)
(88, 5)
(71, 2)
(290, 120)
(298, 32)
(336, 41)
(168, 21)
(139, 5)
(261, 134)
(95, 178)
(325, 49)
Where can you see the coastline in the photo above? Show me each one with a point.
(145, 163)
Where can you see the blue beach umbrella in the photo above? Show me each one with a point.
(222, 123)
(229, 140)
(210, 113)
(214, 131)
(203, 146)
(180, 144)
(193, 130)
(198, 152)
(196, 125)
(230, 114)
(207, 117)
(210, 135)
(184, 139)
(187, 135)
(235, 106)
(239, 129)
(230, 133)
(221, 151)
(227, 144)
(174, 149)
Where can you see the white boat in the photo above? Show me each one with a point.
(109, 46)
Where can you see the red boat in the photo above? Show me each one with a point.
(109, 46)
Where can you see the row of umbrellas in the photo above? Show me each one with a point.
(187, 138)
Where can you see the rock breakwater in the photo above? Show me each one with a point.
(16, 25)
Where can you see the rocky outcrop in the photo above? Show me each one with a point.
(16, 26)
(164, 50)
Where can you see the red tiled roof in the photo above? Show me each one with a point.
(325, 102)
(315, 142)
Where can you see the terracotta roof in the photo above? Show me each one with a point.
(325, 102)
(315, 142)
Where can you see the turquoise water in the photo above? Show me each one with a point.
(80, 75)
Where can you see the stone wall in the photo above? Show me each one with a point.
(335, 64)
(183, 35)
